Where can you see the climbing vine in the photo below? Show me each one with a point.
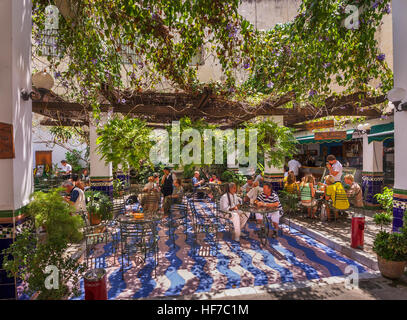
(149, 45)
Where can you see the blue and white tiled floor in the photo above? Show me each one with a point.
(186, 269)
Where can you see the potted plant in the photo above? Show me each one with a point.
(391, 248)
(99, 207)
(118, 188)
(29, 256)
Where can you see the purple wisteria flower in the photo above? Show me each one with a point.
(270, 84)
(312, 93)
(231, 90)
(384, 117)
(94, 61)
(387, 9)
(327, 65)
(57, 75)
(122, 101)
(381, 57)
(246, 65)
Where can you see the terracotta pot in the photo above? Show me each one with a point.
(391, 269)
(94, 219)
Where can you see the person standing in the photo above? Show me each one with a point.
(229, 203)
(294, 165)
(166, 188)
(334, 167)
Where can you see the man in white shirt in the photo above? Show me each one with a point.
(334, 167)
(229, 203)
(294, 165)
(254, 192)
(66, 169)
(248, 185)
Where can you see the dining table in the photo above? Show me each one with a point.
(266, 222)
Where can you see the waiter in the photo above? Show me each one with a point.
(334, 167)
(167, 188)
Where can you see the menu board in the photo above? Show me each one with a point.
(6, 141)
(331, 135)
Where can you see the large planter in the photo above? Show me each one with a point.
(391, 269)
(94, 219)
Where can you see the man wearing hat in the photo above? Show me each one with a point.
(167, 188)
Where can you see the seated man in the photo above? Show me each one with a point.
(196, 184)
(76, 196)
(334, 191)
(354, 191)
(269, 199)
(66, 169)
(230, 203)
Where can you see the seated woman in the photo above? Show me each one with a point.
(230, 203)
(334, 191)
(291, 185)
(176, 196)
(77, 182)
(177, 192)
(150, 185)
(308, 194)
(214, 179)
(354, 191)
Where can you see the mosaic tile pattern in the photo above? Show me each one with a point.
(372, 183)
(185, 268)
(399, 207)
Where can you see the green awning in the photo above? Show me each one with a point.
(311, 138)
(381, 132)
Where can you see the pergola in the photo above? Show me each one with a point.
(161, 108)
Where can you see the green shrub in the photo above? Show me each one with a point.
(30, 254)
(385, 199)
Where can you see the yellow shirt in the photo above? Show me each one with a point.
(337, 191)
(291, 188)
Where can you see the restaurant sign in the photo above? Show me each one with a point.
(330, 135)
(6, 141)
(320, 125)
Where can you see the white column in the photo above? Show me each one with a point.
(372, 155)
(399, 11)
(372, 175)
(273, 174)
(15, 76)
(101, 177)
